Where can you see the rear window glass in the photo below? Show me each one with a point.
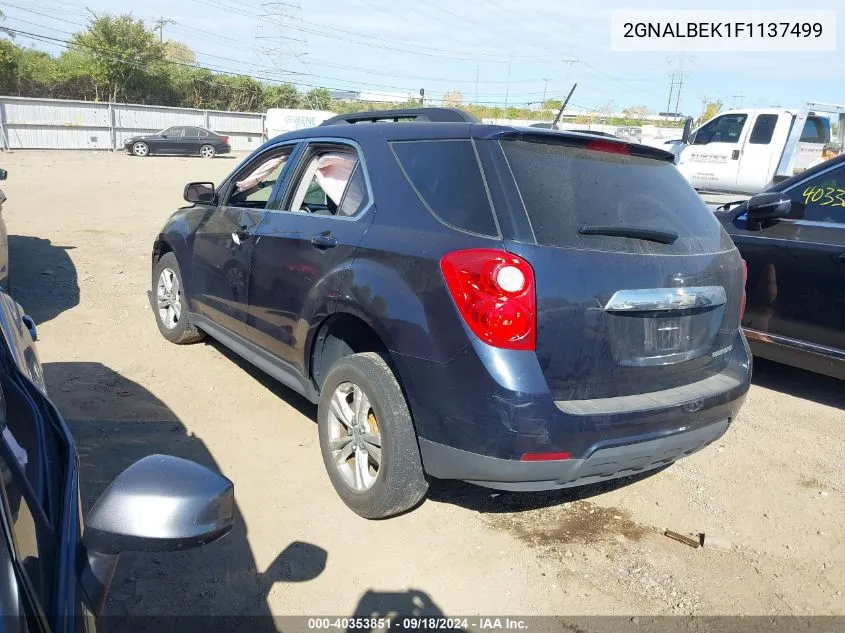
(566, 188)
(816, 130)
(447, 177)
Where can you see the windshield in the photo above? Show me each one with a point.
(566, 188)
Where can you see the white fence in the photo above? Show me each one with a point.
(27, 123)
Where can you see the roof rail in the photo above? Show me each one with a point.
(428, 115)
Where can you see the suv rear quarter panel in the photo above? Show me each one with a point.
(395, 283)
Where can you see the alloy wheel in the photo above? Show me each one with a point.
(354, 437)
(169, 298)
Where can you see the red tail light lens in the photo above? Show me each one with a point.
(608, 146)
(226, 139)
(545, 457)
(744, 281)
(495, 294)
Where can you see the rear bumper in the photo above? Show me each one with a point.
(604, 464)
(477, 414)
(224, 149)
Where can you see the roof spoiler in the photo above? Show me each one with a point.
(427, 115)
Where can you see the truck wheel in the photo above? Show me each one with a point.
(367, 438)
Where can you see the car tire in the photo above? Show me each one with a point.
(171, 311)
(140, 149)
(208, 151)
(399, 482)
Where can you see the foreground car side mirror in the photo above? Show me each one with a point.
(768, 206)
(159, 504)
(199, 192)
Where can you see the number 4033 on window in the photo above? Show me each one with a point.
(831, 195)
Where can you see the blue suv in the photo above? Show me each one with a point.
(523, 309)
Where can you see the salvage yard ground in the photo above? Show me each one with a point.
(81, 227)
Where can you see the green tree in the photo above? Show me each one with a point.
(710, 110)
(179, 52)
(9, 66)
(318, 99)
(119, 51)
(282, 96)
(552, 104)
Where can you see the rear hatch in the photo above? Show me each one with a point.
(638, 285)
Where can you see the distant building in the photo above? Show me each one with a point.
(373, 97)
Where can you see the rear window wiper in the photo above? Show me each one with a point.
(636, 232)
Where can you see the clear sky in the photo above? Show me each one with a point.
(443, 45)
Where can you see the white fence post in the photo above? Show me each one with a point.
(112, 133)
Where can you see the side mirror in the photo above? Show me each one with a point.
(768, 206)
(199, 192)
(3, 174)
(686, 137)
(159, 504)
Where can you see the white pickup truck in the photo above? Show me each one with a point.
(743, 151)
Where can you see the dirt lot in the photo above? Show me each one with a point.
(81, 228)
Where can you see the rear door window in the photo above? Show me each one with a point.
(566, 187)
(447, 177)
(763, 130)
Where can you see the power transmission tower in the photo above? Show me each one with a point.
(737, 100)
(273, 38)
(677, 80)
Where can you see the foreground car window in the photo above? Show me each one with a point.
(564, 188)
(447, 176)
(31, 535)
(821, 198)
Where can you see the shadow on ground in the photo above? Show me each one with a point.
(220, 579)
(489, 501)
(799, 383)
(399, 606)
(43, 277)
(298, 402)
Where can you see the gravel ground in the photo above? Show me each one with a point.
(81, 228)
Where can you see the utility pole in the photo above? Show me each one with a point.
(159, 26)
(508, 84)
(545, 88)
(737, 100)
(671, 92)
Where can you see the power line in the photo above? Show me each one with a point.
(264, 78)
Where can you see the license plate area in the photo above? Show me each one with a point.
(660, 338)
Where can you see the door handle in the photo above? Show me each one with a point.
(324, 240)
(735, 155)
(841, 258)
(29, 324)
(242, 234)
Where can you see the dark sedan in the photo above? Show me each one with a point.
(793, 238)
(182, 140)
(55, 568)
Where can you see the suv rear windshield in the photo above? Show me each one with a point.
(565, 188)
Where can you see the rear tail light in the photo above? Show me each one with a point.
(744, 281)
(608, 146)
(545, 457)
(226, 140)
(495, 294)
